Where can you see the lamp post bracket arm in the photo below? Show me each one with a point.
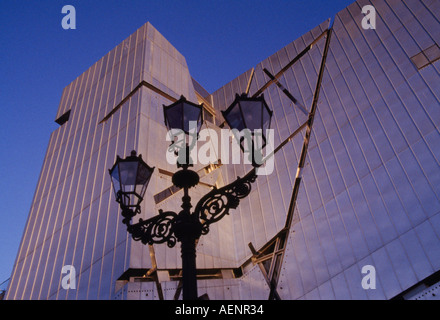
(216, 204)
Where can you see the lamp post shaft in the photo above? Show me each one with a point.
(188, 229)
(189, 273)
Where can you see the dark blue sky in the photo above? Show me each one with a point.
(219, 38)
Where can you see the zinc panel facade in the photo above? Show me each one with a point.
(369, 191)
(369, 194)
(74, 219)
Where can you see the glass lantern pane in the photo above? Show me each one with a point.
(128, 171)
(174, 117)
(115, 179)
(191, 113)
(252, 113)
(140, 190)
(142, 179)
(266, 118)
(143, 174)
(234, 118)
(126, 199)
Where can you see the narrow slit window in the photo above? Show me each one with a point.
(426, 57)
(63, 119)
(165, 194)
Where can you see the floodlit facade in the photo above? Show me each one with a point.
(365, 223)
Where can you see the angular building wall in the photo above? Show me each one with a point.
(110, 109)
(369, 193)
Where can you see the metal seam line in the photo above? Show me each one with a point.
(272, 277)
(291, 63)
(141, 84)
(303, 157)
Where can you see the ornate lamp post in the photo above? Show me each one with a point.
(130, 177)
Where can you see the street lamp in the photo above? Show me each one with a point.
(130, 178)
(179, 115)
(186, 117)
(250, 118)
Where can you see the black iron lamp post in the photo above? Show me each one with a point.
(130, 177)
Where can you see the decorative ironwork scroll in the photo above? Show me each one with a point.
(158, 229)
(216, 204)
(211, 208)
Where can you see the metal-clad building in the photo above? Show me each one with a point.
(370, 185)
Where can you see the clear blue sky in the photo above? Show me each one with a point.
(219, 38)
